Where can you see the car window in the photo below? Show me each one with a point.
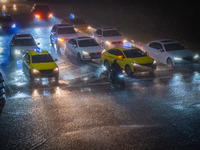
(115, 52)
(110, 33)
(24, 42)
(66, 30)
(99, 32)
(133, 53)
(53, 29)
(155, 45)
(87, 43)
(27, 56)
(73, 42)
(42, 58)
(173, 47)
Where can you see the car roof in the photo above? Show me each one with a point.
(23, 36)
(124, 48)
(33, 52)
(83, 38)
(165, 41)
(107, 28)
(63, 25)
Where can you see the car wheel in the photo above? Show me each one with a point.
(128, 70)
(79, 57)
(67, 52)
(169, 63)
(106, 64)
(56, 79)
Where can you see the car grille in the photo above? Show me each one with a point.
(117, 42)
(95, 55)
(148, 65)
(188, 58)
(46, 72)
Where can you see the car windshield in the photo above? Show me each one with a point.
(6, 19)
(42, 58)
(87, 43)
(24, 42)
(109, 33)
(42, 8)
(66, 31)
(77, 21)
(133, 53)
(173, 47)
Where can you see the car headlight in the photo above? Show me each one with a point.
(61, 40)
(124, 41)
(56, 69)
(85, 53)
(178, 58)
(196, 56)
(154, 62)
(17, 52)
(108, 43)
(35, 71)
(121, 75)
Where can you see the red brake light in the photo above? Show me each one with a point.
(50, 15)
(38, 16)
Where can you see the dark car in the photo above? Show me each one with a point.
(6, 23)
(41, 11)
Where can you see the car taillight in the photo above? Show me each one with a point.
(38, 16)
(50, 15)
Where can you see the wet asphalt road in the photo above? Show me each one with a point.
(160, 111)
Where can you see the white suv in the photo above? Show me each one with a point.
(61, 33)
(109, 37)
(21, 43)
(170, 52)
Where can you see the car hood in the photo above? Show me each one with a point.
(67, 36)
(24, 47)
(44, 66)
(91, 49)
(142, 60)
(180, 53)
(113, 38)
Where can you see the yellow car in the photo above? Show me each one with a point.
(131, 59)
(38, 63)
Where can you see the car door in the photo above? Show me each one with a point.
(154, 51)
(53, 35)
(72, 46)
(112, 55)
(26, 63)
(98, 36)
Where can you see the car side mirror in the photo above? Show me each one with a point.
(161, 50)
(120, 57)
(74, 46)
(11, 44)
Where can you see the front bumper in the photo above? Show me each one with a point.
(143, 67)
(45, 73)
(92, 56)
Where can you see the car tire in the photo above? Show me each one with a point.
(169, 63)
(79, 57)
(56, 79)
(128, 70)
(106, 64)
(67, 52)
